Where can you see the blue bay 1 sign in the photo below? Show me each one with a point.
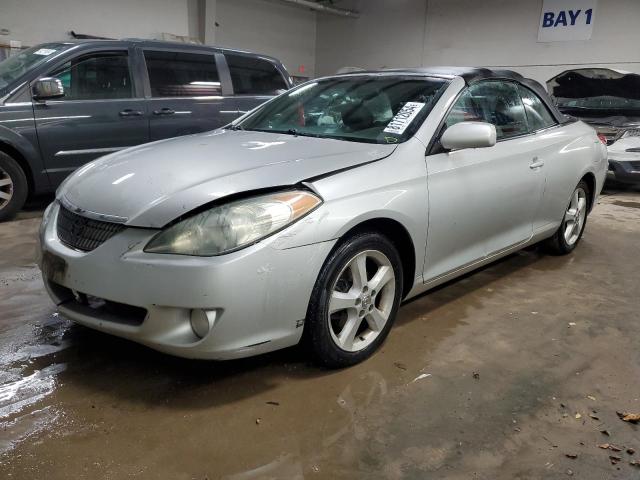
(566, 20)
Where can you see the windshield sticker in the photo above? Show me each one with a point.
(44, 52)
(391, 139)
(404, 117)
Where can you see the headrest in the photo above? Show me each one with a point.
(357, 116)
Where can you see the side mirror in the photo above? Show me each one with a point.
(47, 88)
(469, 135)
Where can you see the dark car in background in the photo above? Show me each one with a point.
(609, 100)
(64, 104)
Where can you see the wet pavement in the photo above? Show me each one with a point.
(500, 374)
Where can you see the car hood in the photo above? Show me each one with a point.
(595, 82)
(617, 121)
(150, 185)
(607, 99)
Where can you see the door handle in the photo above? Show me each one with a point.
(536, 163)
(164, 111)
(130, 113)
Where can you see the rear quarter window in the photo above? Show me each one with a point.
(254, 76)
(538, 115)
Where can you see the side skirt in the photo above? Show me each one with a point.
(540, 234)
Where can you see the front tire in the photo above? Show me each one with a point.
(354, 301)
(568, 235)
(13, 187)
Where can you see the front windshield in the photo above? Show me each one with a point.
(361, 108)
(16, 66)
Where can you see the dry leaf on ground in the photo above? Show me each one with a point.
(629, 417)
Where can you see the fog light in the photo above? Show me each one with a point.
(200, 323)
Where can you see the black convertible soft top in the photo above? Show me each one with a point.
(472, 75)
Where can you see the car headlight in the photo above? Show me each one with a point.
(234, 225)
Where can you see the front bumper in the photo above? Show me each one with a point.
(256, 298)
(624, 171)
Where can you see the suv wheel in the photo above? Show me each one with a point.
(13, 187)
(354, 301)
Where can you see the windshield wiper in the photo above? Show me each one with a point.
(296, 133)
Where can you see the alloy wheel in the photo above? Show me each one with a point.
(574, 217)
(6, 188)
(361, 300)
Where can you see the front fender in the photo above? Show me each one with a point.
(393, 188)
(17, 140)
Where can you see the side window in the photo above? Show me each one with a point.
(98, 76)
(254, 76)
(179, 74)
(538, 115)
(493, 102)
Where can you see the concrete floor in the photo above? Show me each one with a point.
(482, 378)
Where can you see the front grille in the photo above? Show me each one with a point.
(84, 233)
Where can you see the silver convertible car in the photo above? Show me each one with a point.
(312, 217)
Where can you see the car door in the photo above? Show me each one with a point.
(550, 140)
(185, 92)
(102, 111)
(483, 201)
(255, 80)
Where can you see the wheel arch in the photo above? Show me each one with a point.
(20, 159)
(399, 236)
(590, 180)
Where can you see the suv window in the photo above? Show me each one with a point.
(97, 76)
(538, 115)
(179, 74)
(494, 102)
(254, 76)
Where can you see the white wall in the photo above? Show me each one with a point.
(504, 33)
(500, 33)
(387, 34)
(270, 27)
(37, 21)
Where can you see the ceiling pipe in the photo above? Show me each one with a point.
(320, 7)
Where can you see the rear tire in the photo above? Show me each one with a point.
(13, 187)
(354, 301)
(569, 233)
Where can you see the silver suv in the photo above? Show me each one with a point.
(65, 104)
